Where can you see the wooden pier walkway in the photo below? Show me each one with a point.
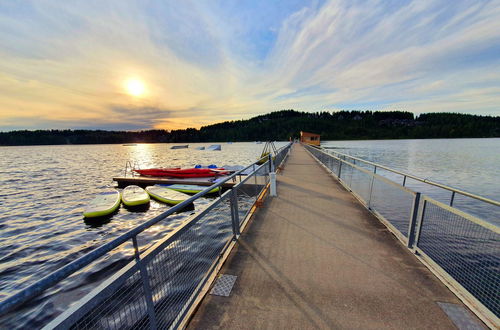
(313, 257)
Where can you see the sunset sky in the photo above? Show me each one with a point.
(175, 64)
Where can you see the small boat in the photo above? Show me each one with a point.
(155, 171)
(258, 142)
(134, 196)
(103, 204)
(215, 147)
(184, 146)
(196, 172)
(129, 144)
(190, 188)
(230, 143)
(166, 195)
(200, 148)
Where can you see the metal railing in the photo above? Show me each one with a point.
(163, 283)
(405, 176)
(461, 249)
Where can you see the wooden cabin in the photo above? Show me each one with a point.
(310, 138)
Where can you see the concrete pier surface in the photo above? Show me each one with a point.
(314, 257)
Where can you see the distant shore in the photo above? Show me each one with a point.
(281, 126)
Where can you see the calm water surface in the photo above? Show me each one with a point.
(42, 195)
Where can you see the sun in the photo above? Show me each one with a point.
(135, 87)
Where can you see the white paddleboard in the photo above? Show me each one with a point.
(134, 196)
(166, 195)
(103, 204)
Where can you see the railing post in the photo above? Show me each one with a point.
(413, 220)
(418, 231)
(254, 175)
(146, 286)
(371, 191)
(404, 180)
(340, 168)
(452, 198)
(272, 184)
(235, 217)
(371, 188)
(272, 178)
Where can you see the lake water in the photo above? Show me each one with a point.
(44, 189)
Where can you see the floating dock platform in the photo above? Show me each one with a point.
(143, 181)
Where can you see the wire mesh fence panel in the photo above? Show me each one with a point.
(322, 158)
(177, 271)
(393, 203)
(361, 184)
(249, 191)
(334, 165)
(280, 156)
(346, 174)
(247, 194)
(466, 250)
(469, 205)
(125, 308)
(315, 152)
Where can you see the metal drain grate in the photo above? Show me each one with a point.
(223, 285)
(461, 317)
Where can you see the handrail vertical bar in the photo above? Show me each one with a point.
(371, 189)
(235, 217)
(452, 198)
(146, 286)
(255, 176)
(419, 226)
(413, 220)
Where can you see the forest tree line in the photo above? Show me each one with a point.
(282, 125)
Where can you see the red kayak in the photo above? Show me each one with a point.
(183, 173)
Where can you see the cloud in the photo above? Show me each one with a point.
(206, 62)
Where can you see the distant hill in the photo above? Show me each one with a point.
(281, 125)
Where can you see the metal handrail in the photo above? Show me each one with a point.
(436, 184)
(38, 287)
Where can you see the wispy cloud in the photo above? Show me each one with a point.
(202, 62)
